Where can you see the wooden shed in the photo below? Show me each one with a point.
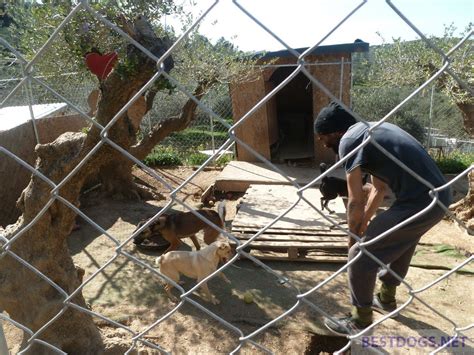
(282, 129)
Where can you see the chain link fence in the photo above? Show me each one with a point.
(205, 133)
(213, 130)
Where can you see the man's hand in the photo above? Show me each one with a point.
(359, 213)
(363, 227)
(356, 205)
(350, 243)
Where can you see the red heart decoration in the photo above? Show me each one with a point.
(101, 65)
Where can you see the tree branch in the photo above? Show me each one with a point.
(170, 125)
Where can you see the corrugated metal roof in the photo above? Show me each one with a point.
(13, 116)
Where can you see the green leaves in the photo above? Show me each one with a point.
(455, 163)
(390, 72)
(197, 59)
(411, 63)
(163, 156)
(374, 103)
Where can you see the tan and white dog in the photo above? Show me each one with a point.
(195, 264)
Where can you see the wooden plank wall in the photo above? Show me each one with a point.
(261, 129)
(329, 76)
(254, 131)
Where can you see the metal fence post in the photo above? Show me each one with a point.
(431, 116)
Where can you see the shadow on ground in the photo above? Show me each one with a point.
(129, 292)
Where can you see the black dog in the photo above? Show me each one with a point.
(331, 187)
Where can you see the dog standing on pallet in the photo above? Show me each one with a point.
(174, 227)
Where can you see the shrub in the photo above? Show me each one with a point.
(199, 158)
(455, 162)
(196, 159)
(169, 156)
(224, 159)
(163, 156)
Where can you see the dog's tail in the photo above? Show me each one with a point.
(221, 210)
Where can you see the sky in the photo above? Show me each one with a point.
(303, 23)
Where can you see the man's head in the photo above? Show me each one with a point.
(331, 124)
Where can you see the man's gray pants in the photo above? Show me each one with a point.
(394, 250)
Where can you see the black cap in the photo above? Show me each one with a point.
(333, 118)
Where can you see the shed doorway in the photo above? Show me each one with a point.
(294, 113)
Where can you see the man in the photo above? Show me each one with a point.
(338, 129)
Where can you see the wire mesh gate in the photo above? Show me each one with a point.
(302, 298)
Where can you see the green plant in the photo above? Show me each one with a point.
(163, 156)
(455, 162)
(224, 159)
(196, 159)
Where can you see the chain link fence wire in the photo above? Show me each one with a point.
(205, 133)
(425, 117)
(214, 112)
(430, 117)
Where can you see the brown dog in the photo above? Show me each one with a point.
(179, 225)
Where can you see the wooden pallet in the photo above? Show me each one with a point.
(301, 235)
(296, 247)
(314, 257)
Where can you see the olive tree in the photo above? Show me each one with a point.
(25, 294)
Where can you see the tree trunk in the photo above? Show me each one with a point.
(27, 297)
(172, 124)
(464, 209)
(116, 176)
(467, 110)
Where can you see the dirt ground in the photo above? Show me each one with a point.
(133, 296)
